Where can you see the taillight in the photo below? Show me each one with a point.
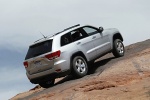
(53, 55)
(25, 64)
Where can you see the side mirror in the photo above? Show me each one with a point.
(101, 29)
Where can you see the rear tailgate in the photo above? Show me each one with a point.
(35, 58)
(39, 64)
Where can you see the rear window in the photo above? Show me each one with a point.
(38, 49)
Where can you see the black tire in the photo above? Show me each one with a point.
(79, 67)
(118, 48)
(47, 84)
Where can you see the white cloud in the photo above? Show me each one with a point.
(21, 20)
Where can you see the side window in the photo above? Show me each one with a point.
(90, 30)
(66, 39)
(77, 35)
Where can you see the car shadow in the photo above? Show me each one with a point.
(65, 79)
(92, 69)
(98, 66)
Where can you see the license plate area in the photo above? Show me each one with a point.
(38, 63)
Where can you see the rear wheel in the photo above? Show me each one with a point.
(118, 48)
(47, 84)
(79, 66)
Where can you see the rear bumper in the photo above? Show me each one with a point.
(49, 77)
(59, 69)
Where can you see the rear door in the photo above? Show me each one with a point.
(84, 43)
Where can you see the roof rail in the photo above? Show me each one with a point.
(71, 27)
(45, 37)
(39, 40)
(67, 29)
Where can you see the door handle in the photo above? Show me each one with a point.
(93, 37)
(78, 43)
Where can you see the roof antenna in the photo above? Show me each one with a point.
(43, 35)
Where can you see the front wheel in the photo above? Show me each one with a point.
(118, 48)
(79, 66)
(47, 84)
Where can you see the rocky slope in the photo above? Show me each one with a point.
(125, 78)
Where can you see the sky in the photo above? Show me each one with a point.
(21, 22)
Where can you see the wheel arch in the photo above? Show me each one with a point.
(79, 53)
(117, 36)
(73, 72)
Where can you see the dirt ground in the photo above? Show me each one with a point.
(125, 78)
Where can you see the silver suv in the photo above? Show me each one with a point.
(70, 52)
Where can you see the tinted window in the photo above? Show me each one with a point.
(38, 49)
(90, 31)
(66, 39)
(77, 34)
